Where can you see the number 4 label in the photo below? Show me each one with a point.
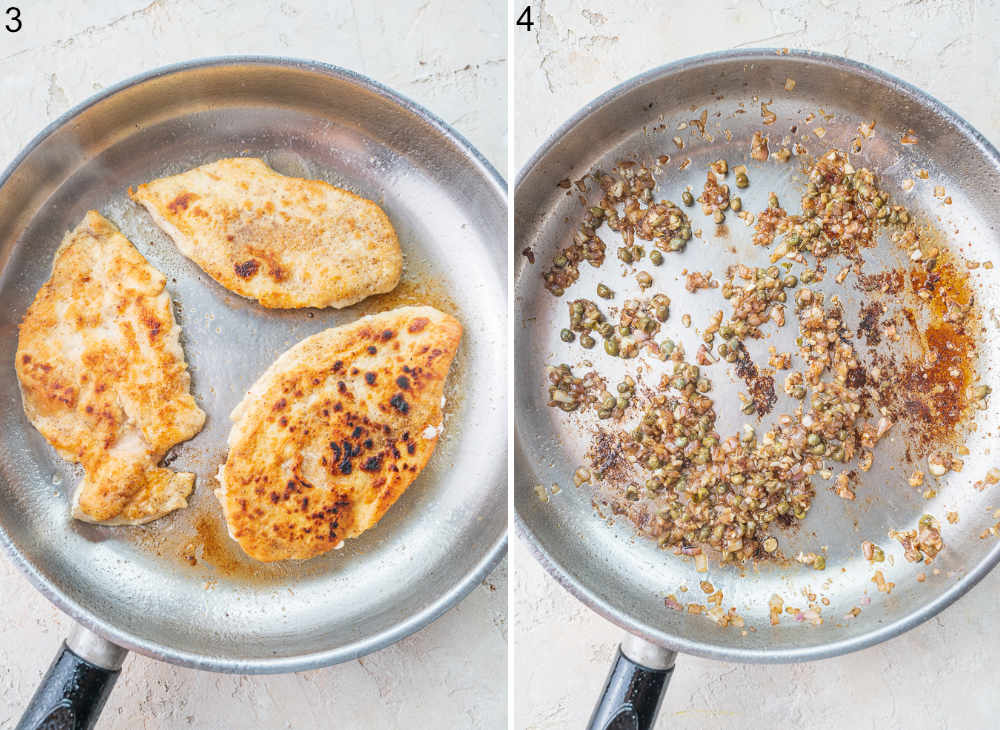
(524, 19)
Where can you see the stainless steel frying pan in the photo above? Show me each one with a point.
(626, 578)
(178, 589)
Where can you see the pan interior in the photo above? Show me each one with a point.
(179, 588)
(627, 577)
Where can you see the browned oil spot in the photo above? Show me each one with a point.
(929, 389)
(213, 546)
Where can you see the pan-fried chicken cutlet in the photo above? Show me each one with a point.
(284, 241)
(103, 376)
(335, 431)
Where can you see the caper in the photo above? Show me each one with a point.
(736, 204)
(790, 281)
(560, 261)
(718, 216)
(644, 279)
(742, 180)
(655, 257)
(611, 346)
(819, 563)
(625, 254)
(662, 312)
(604, 292)
(772, 201)
(687, 198)
(605, 329)
(567, 336)
(667, 346)
(748, 407)
(677, 244)
(586, 341)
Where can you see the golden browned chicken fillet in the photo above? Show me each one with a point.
(335, 431)
(284, 241)
(103, 376)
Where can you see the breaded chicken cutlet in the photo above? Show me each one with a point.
(284, 241)
(103, 376)
(335, 431)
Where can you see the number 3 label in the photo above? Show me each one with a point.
(14, 16)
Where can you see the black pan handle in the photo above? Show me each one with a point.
(73, 692)
(635, 687)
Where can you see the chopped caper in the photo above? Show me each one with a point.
(604, 292)
(567, 335)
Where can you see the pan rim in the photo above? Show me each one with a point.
(266, 665)
(563, 575)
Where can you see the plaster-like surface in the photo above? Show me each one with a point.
(449, 57)
(942, 674)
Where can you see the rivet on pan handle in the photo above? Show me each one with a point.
(73, 692)
(635, 686)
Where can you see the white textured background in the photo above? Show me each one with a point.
(945, 673)
(448, 56)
